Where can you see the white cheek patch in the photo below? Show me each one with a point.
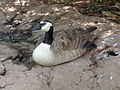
(46, 27)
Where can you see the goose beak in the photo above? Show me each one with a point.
(36, 27)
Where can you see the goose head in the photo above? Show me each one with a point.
(43, 26)
(47, 27)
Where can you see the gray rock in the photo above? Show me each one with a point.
(6, 51)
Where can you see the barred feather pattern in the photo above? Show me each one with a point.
(68, 45)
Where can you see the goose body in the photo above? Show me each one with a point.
(64, 46)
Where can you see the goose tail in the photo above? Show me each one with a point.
(91, 29)
(87, 30)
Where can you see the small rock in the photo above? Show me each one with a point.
(111, 78)
(118, 52)
(114, 45)
(102, 55)
(100, 47)
(103, 42)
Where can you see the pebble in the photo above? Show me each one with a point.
(118, 52)
(111, 78)
(114, 45)
(103, 42)
(100, 47)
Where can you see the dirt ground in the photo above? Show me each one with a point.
(95, 70)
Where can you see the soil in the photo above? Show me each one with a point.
(98, 69)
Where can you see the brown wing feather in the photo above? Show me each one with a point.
(70, 40)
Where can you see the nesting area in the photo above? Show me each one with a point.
(95, 70)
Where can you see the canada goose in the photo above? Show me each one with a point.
(62, 47)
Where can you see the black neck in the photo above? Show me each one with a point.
(49, 36)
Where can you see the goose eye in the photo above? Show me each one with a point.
(42, 24)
